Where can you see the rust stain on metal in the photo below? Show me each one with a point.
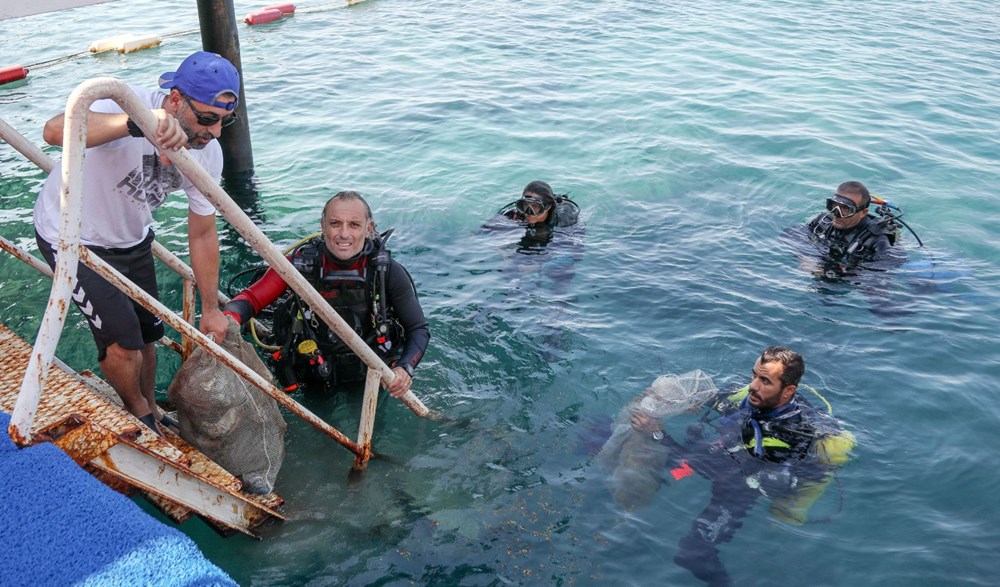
(171, 344)
(271, 501)
(111, 481)
(187, 344)
(15, 437)
(361, 461)
(84, 417)
(176, 512)
(130, 289)
(85, 442)
(60, 429)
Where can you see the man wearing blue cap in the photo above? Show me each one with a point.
(125, 180)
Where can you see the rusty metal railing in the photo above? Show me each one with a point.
(46, 164)
(69, 252)
(26, 147)
(44, 269)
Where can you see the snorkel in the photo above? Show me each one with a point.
(824, 225)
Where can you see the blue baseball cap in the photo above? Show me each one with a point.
(205, 77)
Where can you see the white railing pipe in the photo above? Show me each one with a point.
(366, 426)
(25, 256)
(64, 277)
(26, 147)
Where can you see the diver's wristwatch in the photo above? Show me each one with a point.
(133, 128)
(658, 435)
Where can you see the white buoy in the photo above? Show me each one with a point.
(111, 43)
(125, 43)
(139, 43)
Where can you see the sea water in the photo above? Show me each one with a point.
(692, 135)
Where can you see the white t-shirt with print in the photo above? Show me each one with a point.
(124, 182)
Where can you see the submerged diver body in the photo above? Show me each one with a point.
(351, 268)
(542, 264)
(762, 439)
(542, 215)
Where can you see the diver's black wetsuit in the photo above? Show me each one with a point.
(748, 453)
(867, 241)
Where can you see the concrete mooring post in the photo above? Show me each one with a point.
(219, 35)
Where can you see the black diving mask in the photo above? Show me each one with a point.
(531, 206)
(842, 207)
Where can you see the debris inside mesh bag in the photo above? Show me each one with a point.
(634, 462)
(227, 418)
(673, 394)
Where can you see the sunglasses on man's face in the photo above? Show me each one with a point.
(842, 207)
(210, 118)
(530, 206)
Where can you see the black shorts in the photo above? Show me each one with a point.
(113, 317)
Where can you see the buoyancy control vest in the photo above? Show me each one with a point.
(566, 212)
(786, 433)
(310, 349)
(800, 446)
(861, 243)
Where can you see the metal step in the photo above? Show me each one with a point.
(84, 417)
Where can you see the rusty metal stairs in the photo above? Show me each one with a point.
(82, 415)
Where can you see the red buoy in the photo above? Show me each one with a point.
(262, 16)
(288, 8)
(12, 73)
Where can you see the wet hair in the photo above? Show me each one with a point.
(542, 190)
(856, 188)
(793, 364)
(347, 195)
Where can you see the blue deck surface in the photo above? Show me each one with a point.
(61, 526)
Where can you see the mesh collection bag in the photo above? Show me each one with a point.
(635, 462)
(221, 414)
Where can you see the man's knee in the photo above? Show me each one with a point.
(117, 354)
